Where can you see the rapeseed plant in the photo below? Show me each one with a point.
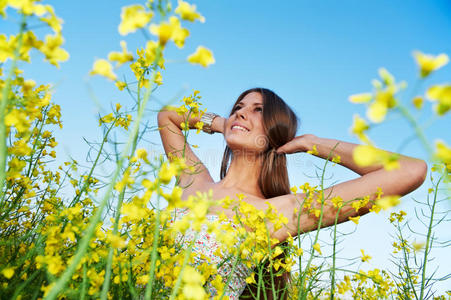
(127, 244)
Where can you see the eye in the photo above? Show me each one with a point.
(236, 108)
(259, 109)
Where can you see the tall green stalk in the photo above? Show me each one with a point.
(3, 105)
(428, 242)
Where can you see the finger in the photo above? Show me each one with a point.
(281, 150)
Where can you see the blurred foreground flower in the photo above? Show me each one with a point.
(103, 68)
(442, 95)
(133, 17)
(365, 156)
(202, 56)
(429, 63)
(188, 12)
(170, 31)
(388, 202)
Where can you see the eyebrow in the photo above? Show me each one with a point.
(255, 103)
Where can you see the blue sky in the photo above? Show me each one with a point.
(314, 54)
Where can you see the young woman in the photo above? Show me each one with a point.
(260, 131)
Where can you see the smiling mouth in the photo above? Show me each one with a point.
(237, 127)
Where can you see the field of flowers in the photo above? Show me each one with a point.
(112, 239)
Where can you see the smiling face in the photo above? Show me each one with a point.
(244, 127)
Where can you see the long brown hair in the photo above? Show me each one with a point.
(280, 124)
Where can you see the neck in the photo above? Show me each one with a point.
(243, 173)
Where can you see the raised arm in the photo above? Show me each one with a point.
(410, 175)
(169, 123)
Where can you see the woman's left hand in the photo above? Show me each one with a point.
(298, 144)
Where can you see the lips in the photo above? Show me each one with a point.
(238, 126)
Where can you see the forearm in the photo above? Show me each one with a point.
(177, 119)
(345, 150)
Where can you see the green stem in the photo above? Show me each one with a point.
(428, 242)
(3, 105)
(405, 112)
(319, 221)
(106, 282)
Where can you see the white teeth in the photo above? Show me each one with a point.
(240, 128)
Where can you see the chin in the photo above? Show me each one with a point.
(238, 145)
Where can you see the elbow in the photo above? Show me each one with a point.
(422, 171)
(418, 172)
(163, 117)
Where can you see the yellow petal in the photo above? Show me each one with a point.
(388, 201)
(359, 125)
(188, 12)
(365, 155)
(386, 77)
(429, 63)
(360, 98)
(376, 111)
(355, 219)
(418, 102)
(202, 56)
(442, 151)
(104, 68)
(442, 95)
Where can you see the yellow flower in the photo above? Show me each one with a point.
(388, 201)
(317, 248)
(126, 180)
(172, 30)
(20, 148)
(202, 56)
(299, 252)
(27, 7)
(116, 241)
(336, 159)
(52, 51)
(106, 119)
(355, 219)
(8, 272)
(364, 257)
(386, 77)
(314, 151)
(361, 98)
(193, 282)
(166, 173)
(365, 155)
(103, 67)
(133, 17)
(442, 94)
(442, 151)
(376, 111)
(121, 57)
(188, 12)
(294, 189)
(199, 125)
(120, 85)
(251, 278)
(418, 102)
(158, 78)
(337, 201)
(359, 126)
(429, 63)
(417, 246)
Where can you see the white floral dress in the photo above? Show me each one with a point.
(207, 245)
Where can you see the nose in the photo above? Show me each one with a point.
(241, 113)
